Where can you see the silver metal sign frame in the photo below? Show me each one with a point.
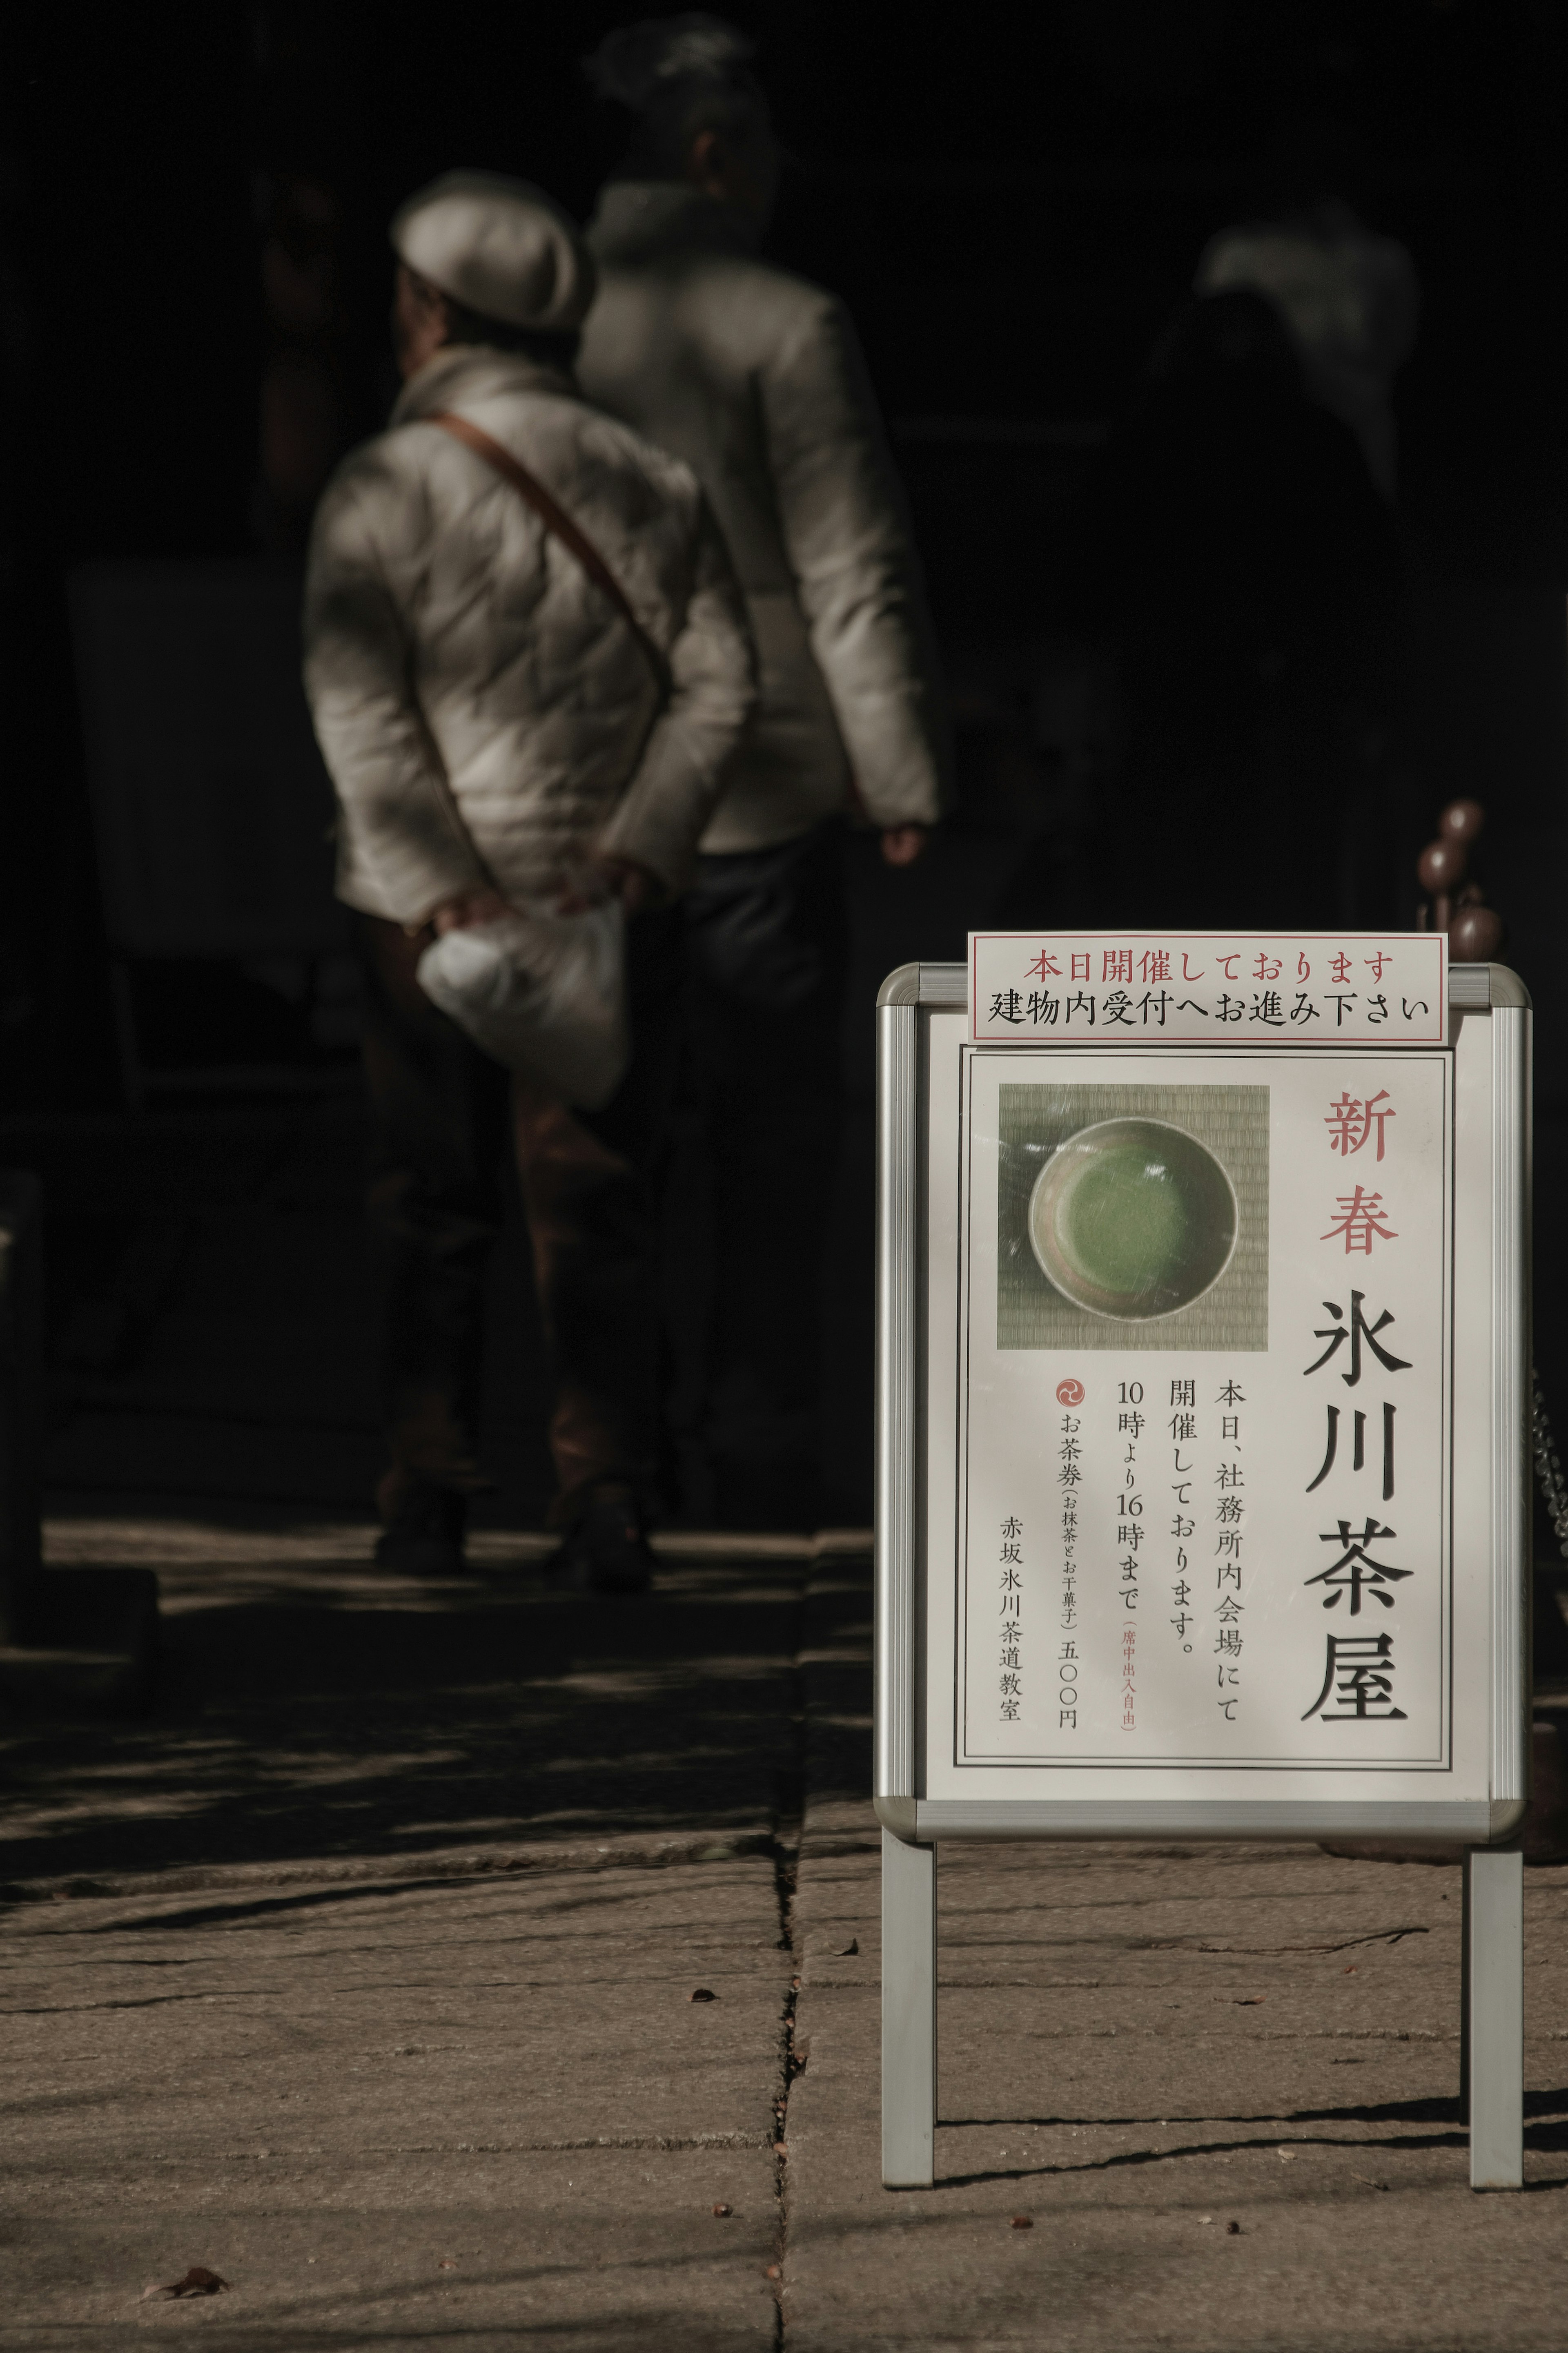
(1491, 1050)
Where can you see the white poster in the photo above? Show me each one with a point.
(1203, 1511)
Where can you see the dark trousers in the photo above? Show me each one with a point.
(443, 1117)
(766, 952)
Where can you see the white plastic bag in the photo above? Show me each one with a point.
(544, 992)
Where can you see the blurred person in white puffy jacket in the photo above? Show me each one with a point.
(495, 734)
(1348, 296)
(754, 377)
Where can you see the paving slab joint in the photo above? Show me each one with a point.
(794, 1798)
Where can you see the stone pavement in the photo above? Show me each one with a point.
(362, 1974)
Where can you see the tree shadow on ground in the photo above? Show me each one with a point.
(1548, 2134)
(343, 1713)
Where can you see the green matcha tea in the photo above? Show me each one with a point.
(1132, 1219)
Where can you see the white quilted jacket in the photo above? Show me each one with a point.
(484, 711)
(755, 379)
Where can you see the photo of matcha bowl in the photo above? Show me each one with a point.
(1132, 1219)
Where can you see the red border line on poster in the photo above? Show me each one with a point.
(1232, 989)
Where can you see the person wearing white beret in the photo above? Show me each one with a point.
(528, 662)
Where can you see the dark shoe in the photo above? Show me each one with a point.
(606, 1551)
(424, 1531)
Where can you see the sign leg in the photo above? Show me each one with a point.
(1493, 2042)
(1465, 1990)
(909, 2014)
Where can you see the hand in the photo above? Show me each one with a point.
(485, 906)
(902, 844)
(618, 877)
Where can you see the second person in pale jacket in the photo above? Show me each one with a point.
(754, 377)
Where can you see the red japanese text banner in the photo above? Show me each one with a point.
(1240, 988)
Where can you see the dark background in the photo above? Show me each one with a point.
(1011, 202)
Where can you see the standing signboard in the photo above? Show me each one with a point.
(1203, 1422)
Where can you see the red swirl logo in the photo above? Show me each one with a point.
(1069, 1392)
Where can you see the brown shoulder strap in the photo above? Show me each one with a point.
(558, 522)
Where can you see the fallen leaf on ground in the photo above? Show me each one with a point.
(703, 1993)
(1250, 2000)
(723, 2209)
(842, 1951)
(447, 2265)
(1234, 2229)
(1022, 2222)
(198, 2280)
(771, 2271)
